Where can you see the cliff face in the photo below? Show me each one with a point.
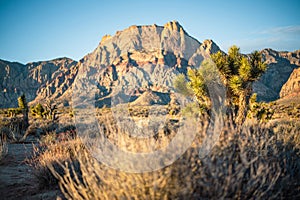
(280, 67)
(292, 87)
(136, 60)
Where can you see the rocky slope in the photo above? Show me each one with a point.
(292, 87)
(33, 79)
(280, 67)
(124, 66)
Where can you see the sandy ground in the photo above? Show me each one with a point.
(16, 177)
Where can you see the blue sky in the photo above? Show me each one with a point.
(47, 29)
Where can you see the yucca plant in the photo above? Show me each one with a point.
(238, 72)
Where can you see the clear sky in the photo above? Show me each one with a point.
(46, 29)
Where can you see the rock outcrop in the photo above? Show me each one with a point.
(292, 87)
(139, 58)
(280, 67)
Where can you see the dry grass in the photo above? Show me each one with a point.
(11, 129)
(254, 162)
(3, 147)
(52, 150)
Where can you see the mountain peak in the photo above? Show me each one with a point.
(105, 38)
(173, 26)
(209, 46)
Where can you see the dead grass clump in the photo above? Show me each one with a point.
(3, 147)
(12, 129)
(52, 151)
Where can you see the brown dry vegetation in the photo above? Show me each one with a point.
(3, 147)
(255, 162)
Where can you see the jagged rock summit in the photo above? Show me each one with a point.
(139, 58)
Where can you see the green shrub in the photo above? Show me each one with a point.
(38, 111)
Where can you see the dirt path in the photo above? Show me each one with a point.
(16, 178)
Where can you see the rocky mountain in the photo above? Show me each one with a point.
(292, 87)
(280, 67)
(136, 64)
(33, 79)
(140, 58)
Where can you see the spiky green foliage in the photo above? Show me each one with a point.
(260, 111)
(198, 84)
(22, 102)
(38, 110)
(238, 72)
(24, 109)
(51, 110)
(13, 112)
(181, 86)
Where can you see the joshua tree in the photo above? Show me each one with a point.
(200, 82)
(51, 109)
(238, 72)
(24, 109)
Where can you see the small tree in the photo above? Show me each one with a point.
(259, 111)
(24, 109)
(22, 102)
(51, 110)
(199, 83)
(238, 73)
(235, 71)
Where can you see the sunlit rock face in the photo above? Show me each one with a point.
(292, 87)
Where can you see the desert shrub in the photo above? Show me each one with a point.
(51, 110)
(3, 147)
(96, 181)
(12, 129)
(13, 112)
(253, 162)
(48, 111)
(191, 109)
(38, 110)
(40, 127)
(52, 152)
(288, 132)
(70, 128)
(48, 139)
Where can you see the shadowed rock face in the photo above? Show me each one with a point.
(137, 59)
(280, 67)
